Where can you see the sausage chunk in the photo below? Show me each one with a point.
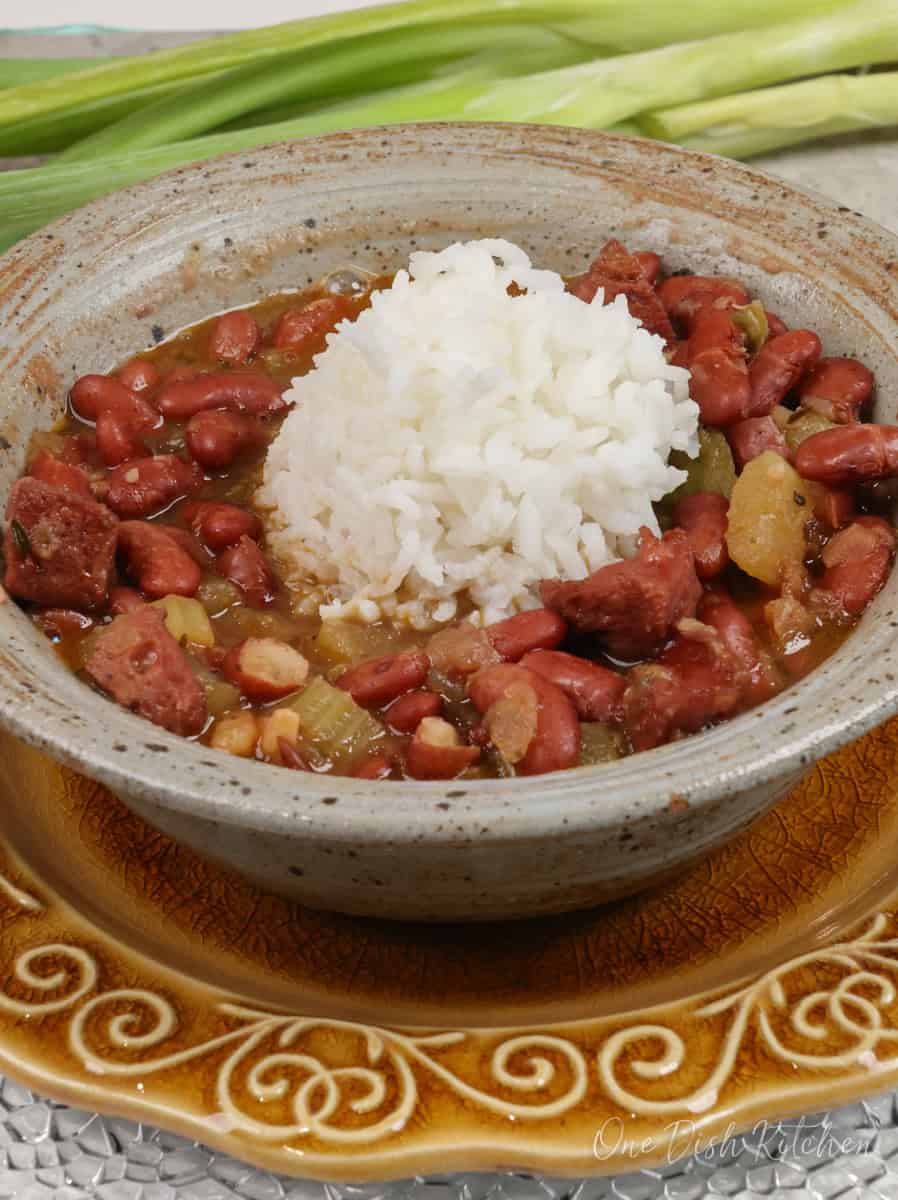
(634, 604)
(138, 662)
(59, 546)
(619, 273)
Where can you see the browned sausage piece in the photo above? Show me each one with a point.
(838, 388)
(146, 486)
(156, 561)
(59, 546)
(594, 690)
(754, 436)
(373, 684)
(138, 662)
(217, 437)
(235, 337)
(301, 328)
(246, 566)
(634, 604)
(619, 273)
(219, 525)
(240, 390)
(703, 518)
(537, 629)
(778, 366)
(857, 560)
(57, 474)
(849, 454)
(688, 297)
(551, 739)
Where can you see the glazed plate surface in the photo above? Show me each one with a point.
(143, 981)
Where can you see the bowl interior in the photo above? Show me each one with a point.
(131, 269)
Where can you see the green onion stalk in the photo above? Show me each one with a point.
(769, 119)
(365, 64)
(606, 23)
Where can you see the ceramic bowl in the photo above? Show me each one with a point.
(132, 268)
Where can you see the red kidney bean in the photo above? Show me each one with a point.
(124, 599)
(556, 744)
(376, 767)
(91, 394)
(373, 684)
(775, 326)
(838, 388)
(857, 560)
(594, 690)
(431, 755)
(849, 454)
(216, 437)
(265, 668)
(689, 297)
(117, 441)
(537, 629)
(703, 518)
(299, 328)
(716, 358)
(235, 337)
(778, 366)
(159, 565)
(240, 390)
(64, 476)
(246, 566)
(718, 610)
(650, 262)
(290, 756)
(754, 436)
(138, 375)
(219, 525)
(406, 714)
(146, 486)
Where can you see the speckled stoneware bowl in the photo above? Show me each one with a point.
(124, 272)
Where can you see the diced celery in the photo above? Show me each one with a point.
(332, 722)
(804, 425)
(216, 594)
(186, 620)
(713, 470)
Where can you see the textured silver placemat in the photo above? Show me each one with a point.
(48, 1150)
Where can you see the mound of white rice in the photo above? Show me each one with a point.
(456, 440)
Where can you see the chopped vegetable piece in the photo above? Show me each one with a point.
(752, 320)
(804, 424)
(282, 725)
(600, 743)
(236, 735)
(217, 595)
(768, 512)
(713, 470)
(331, 720)
(186, 620)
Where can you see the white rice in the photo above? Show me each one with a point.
(458, 442)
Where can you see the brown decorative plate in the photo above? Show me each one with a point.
(141, 980)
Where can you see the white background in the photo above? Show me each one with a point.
(162, 14)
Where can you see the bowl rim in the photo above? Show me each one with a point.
(699, 769)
